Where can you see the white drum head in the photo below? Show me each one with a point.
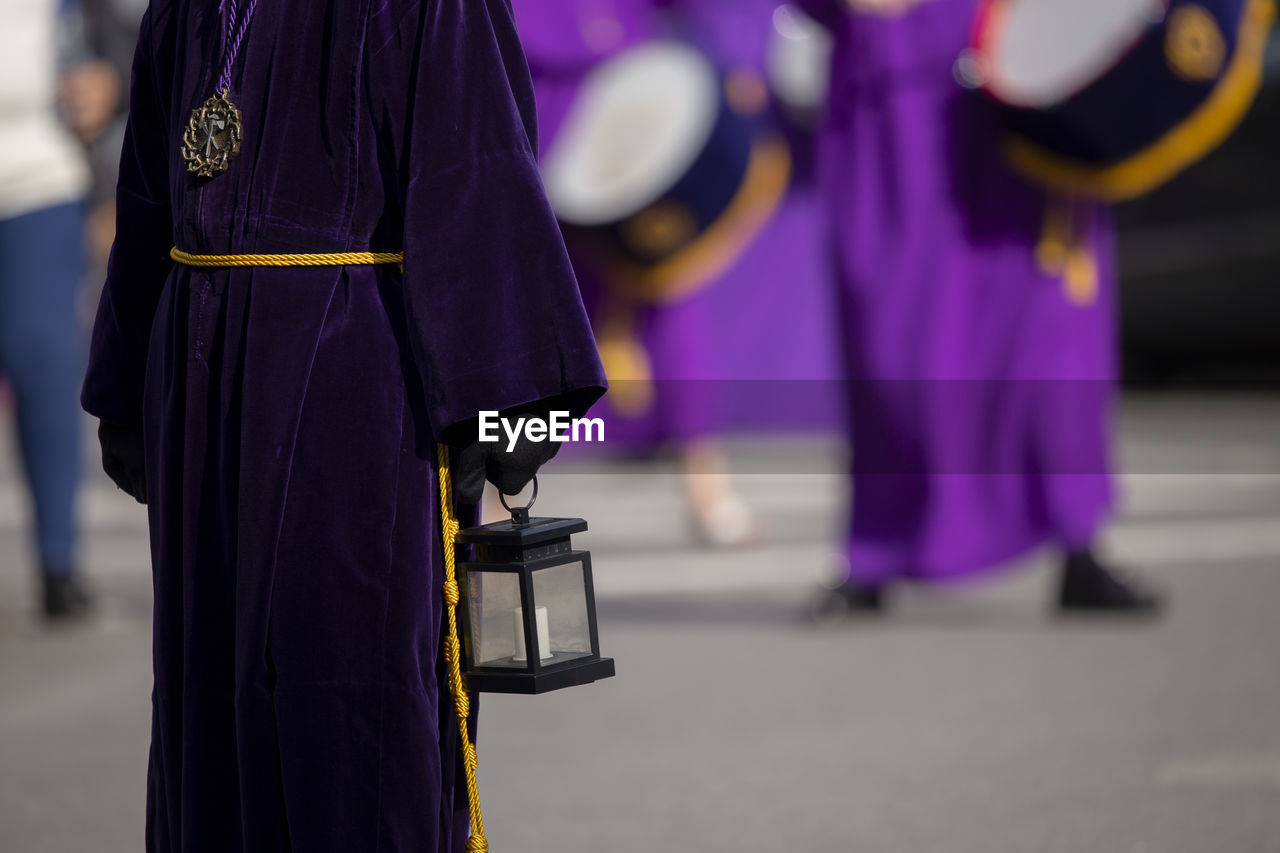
(639, 122)
(798, 58)
(1047, 50)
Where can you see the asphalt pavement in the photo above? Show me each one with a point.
(967, 720)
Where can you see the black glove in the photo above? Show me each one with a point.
(474, 461)
(122, 459)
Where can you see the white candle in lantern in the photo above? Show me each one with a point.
(544, 634)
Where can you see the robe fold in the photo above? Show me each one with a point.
(290, 414)
(980, 383)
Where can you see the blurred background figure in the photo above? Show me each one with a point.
(979, 314)
(686, 201)
(980, 375)
(95, 95)
(43, 180)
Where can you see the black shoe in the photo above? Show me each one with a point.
(848, 600)
(65, 596)
(1090, 587)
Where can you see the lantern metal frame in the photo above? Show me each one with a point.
(525, 546)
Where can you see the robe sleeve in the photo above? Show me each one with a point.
(139, 262)
(494, 314)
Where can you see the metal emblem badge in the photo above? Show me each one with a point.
(1194, 45)
(212, 139)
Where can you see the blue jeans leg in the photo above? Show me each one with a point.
(42, 353)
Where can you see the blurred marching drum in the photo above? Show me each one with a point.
(1111, 98)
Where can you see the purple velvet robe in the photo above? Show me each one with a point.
(744, 349)
(980, 388)
(291, 414)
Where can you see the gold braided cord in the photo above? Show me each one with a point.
(327, 259)
(453, 651)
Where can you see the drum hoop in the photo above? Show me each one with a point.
(817, 36)
(1188, 141)
(720, 245)
(989, 21)
(630, 53)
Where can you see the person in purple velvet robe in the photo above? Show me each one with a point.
(281, 422)
(981, 375)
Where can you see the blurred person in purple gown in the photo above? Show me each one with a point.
(757, 320)
(43, 181)
(282, 422)
(981, 379)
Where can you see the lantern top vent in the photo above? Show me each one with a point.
(509, 534)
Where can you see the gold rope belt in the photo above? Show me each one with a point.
(325, 259)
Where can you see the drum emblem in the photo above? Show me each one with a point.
(1193, 44)
(660, 229)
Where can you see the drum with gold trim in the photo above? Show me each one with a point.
(661, 173)
(1110, 98)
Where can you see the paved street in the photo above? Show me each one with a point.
(967, 721)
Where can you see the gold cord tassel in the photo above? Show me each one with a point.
(1063, 251)
(625, 360)
(1055, 236)
(1080, 277)
(449, 528)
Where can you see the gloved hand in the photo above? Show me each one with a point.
(122, 459)
(473, 461)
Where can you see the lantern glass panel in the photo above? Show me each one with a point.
(562, 591)
(496, 621)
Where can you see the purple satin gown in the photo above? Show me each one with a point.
(291, 414)
(980, 384)
(770, 318)
(745, 349)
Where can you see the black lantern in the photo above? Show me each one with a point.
(528, 606)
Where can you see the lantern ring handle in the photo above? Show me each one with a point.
(533, 497)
